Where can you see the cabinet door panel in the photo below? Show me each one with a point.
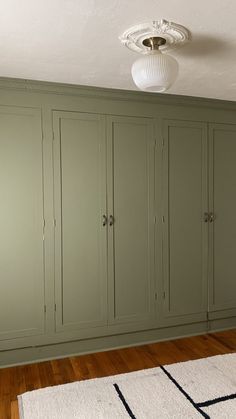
(131, 201)
(185, 233)
(21, 223)
(223, 205)
(80, 192)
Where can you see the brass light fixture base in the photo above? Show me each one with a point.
(154, 42)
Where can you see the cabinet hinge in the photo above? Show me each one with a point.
(164, 295)
(53, 135)
(55, 307)
(45, 309)
(163, 218)
(54, 222)
(162, 143)
(155, 219)
(155, 295)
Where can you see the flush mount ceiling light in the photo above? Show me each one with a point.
(155, 71)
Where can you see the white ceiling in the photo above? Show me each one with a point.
(76, 41)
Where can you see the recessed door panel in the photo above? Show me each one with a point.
(21, 223)
(80, 202)
(223, 206)
(131, 202)
(185, 233)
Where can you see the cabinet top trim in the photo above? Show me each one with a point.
(32, 86)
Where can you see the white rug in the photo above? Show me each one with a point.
(194, 389)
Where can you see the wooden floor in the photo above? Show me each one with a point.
(17, 380)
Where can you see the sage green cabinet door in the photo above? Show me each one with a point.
(223, 205)
(185, 233)
(80, 202)
(21, 223)
(131, 202)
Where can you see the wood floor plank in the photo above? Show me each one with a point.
(80, 368)
(105, 363)
(64, 369)
(119, 364)
(14, 410)
(17, 380)
(5, 408)
(229, 342)
(46, 374)
(31, 376)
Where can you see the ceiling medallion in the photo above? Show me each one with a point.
(174, 34)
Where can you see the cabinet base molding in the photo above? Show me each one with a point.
(29, 355)
(222, 324)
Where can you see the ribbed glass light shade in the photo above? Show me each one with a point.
(155, 72)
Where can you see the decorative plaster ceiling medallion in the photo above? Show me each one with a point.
(155, 71)
(174, 34)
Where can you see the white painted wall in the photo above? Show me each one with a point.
(76, 41)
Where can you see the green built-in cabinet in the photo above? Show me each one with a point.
(117, 218)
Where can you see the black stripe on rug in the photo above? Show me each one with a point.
(125, 404)
(217, 400)
(197, 407)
